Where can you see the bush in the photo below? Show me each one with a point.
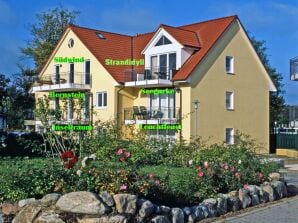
(179, 184)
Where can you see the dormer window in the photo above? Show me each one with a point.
(163, 41)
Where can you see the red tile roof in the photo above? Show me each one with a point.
(202, 35)
(183, 36)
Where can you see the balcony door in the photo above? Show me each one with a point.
(154, 68)
(71, 73)
(87, 72)
(163, 66)
(164, 103)
(57, 74)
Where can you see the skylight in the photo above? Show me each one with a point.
(100, 35)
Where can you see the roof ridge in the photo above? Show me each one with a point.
(81, 27)
(175, 27)
(210, 20)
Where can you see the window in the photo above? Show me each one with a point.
(229, 136)
(229, 100)
(163, 41)
(101, 99)
(70, 43)
(71, 73)
(229, 64)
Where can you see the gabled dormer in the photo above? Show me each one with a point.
(168, 50)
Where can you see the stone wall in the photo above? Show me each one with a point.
(87, 207)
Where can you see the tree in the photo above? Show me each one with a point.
(46, 34)
(277, 102)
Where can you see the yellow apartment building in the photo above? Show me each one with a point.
(205, 76)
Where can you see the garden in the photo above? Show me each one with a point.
(172, 174)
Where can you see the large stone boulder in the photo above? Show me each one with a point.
(24, 202)
(81, 202)
(268, 189)
(27, 214)
(233, 203)
(50, 198)
(160, 219)
(244, 198)
(222, 204)
(177, 215)
(254, 194)
(8, 208)
(146, 209)
(107, 198)
(195, 215)
(263, 195)
(48, 217)
(211, 204)
(274, 176)
(126, 203)
(279, 189)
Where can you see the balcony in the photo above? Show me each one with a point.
(294, 69)
(149, 77)
(66, 81)
(151, 115)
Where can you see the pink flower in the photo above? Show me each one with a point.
(157, 182)
(200, 174)
(246, 186)
(206, 164)
(122, 159)
(120, 151)
(237, 175)
(226, 167)
(123, 187)
(151, 175)
(127, 154)
(261, 175)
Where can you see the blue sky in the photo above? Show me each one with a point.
(275, 21)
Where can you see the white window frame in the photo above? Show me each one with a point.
(97, 95)
(229, 95)
(231, 65)
(231, 140)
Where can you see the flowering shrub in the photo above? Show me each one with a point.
(123, 154)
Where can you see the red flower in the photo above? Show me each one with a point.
(200, 174)
(69, 159)
(122, 159)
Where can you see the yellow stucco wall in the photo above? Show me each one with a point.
(249, 84)
(101, 79)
